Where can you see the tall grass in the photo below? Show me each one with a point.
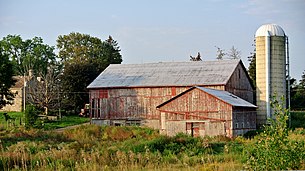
(112, 148)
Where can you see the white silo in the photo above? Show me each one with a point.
(270, 68)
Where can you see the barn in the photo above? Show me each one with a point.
(129, 94)
(202, 111)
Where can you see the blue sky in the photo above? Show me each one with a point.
(160, 30)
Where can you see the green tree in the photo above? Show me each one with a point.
(30, 54)
(75, 79)
(252, 68)
(84, 57)
(6, 80)
(298, 94)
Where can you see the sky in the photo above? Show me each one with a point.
(161, 30)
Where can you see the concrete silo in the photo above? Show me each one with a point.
(270, 68)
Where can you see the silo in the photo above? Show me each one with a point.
(270, 68)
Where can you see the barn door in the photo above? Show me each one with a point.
(194, 129)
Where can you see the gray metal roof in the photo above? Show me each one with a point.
(227, 97)
(166, 74)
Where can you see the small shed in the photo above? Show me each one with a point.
(202, 111)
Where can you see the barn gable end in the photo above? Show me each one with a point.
(204, 111)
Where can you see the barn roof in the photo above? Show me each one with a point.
(190, 73)
(219, 94)
(227, 97)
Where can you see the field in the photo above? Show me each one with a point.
(93, 147)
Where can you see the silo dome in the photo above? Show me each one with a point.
(270, 30)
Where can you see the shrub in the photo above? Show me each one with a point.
(31, 116)
(272, 150)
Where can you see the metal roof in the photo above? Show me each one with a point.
(270, 30)
(227, 97)
(190, 73)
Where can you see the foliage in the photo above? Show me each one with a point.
(252, 67)
(234, 53)
(74, 81)
(84, 57)
(31, 115)
(297, 119)
(298, 94)
(220, 53)
(197, 58)
(93, 147)
(6, 80)
(26, 55)
(272, 150)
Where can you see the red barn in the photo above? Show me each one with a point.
(128, 94)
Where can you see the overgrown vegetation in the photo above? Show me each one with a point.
(107, 148)
(272, 149)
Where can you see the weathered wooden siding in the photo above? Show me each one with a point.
(197, 107)
(130, 103)
(244, 120)
(239, 84)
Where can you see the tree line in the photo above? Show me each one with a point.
(60, 79)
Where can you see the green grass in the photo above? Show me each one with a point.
(47, 124)
(64, 122)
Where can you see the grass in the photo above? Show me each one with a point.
(114, 148)
(91, 147)
(65, 121)
(47, 124)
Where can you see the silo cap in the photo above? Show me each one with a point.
(270, 30)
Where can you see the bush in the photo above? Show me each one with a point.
(272, 150)
(31, 116)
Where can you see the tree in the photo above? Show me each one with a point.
(220, 53)
(84, 57)
(6, 80)
(298, 94)
(77, 47)
(234, 53)
(252, 68)
(44, 91)
(197, 58)
(26, 55)
(74, 81)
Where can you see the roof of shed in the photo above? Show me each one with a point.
(227, 97)
(219, 94)
(166, 74)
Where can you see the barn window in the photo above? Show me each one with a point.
(236, 125)
(103, 94)
(239, 73)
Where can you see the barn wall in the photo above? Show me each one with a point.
(131, 103)
(244, 120)
(195, 107)
(239, 84)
